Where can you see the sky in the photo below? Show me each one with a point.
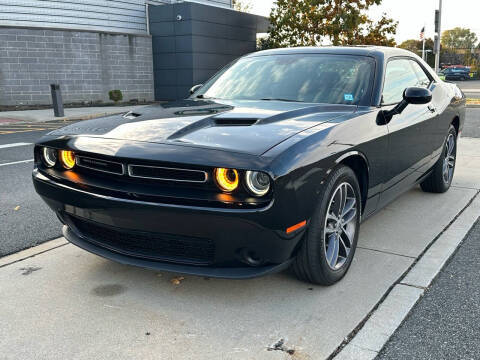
(412, 15)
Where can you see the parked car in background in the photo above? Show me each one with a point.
(273, 162)
(456, 72)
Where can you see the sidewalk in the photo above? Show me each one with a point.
(444, 324)
(82, 113)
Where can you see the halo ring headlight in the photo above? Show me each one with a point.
(67, 158)
(258, 183)
(227, 179)
(49, 156)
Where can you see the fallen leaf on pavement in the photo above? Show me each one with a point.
(177, 280)
(16, 208)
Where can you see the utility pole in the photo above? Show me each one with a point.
(438, 29)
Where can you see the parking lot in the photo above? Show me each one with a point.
(58, 301)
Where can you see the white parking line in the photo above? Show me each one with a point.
(5, 146)
(16, 162)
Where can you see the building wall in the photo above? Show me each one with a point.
(123, 16)
(86, 65)
(191, 42)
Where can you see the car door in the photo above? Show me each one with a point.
(408, 150)
(436, 124)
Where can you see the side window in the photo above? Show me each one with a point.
(399, 76)
(423, 79)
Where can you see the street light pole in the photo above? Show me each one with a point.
(437, 50)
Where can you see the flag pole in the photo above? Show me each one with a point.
(422, 37)
(423, 49)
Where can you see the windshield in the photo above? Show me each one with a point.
(317, 78)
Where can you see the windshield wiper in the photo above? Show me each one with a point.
(280, 99)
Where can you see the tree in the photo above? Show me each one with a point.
(416, 46)
(242, 5)
(339, 22)
(459, 38)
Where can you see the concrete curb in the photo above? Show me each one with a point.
(395, 307)
(33, 251)
(65, 118)
(87, 117)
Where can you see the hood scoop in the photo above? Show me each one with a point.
(209, 123)
(235, 121)
(131, 115)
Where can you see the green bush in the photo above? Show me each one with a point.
(115, 95)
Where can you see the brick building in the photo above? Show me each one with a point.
(147, 49)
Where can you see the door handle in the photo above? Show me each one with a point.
(431, 108)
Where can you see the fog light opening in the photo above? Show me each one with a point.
(251, 258)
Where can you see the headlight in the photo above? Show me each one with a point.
(49, 156)
(67, 158)
(227, 179)
(258, 183)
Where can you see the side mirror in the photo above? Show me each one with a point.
(411, 95)
(417, 95)
(195, 88)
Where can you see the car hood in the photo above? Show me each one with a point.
(251, 127)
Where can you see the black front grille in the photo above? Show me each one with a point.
(165, 173)
(111, 167)
(153, 246)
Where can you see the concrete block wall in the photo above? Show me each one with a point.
(191, 42)
(86, 65)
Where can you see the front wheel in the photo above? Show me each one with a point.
(441, 177)
(330, 242)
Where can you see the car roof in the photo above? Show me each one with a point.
(364, 50)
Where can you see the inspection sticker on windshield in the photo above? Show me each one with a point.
(348, 97)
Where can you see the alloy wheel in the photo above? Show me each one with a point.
(340, 225)
(449, 159)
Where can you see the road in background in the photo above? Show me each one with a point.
(471, 88)
(444, 324)
(472, 123)
(26, 220)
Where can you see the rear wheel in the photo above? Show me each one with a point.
(440, 179)
(330, 242)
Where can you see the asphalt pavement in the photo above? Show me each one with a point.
(444, 323)
(25, 219)
(472, 123)
(471, 88)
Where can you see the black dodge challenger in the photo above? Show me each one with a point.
(273, 162)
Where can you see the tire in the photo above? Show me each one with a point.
(441, 177)
(315, 261)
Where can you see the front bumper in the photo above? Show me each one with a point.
(233, 236)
